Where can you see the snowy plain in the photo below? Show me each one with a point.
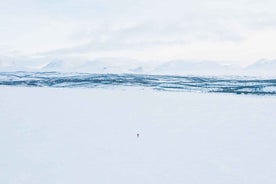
(50, 135)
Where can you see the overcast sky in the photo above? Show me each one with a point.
(238, 31)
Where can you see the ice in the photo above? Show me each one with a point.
(50, 135)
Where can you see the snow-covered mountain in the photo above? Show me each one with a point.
(123, 65)
(262, 67)
(10, 64)
(101, 65)
(180, 67)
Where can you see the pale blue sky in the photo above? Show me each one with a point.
(238, 31)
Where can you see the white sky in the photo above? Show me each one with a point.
(237, 31)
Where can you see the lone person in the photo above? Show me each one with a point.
(137, 135)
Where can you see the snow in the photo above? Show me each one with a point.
(73, 136)
(180, 67)
(261, 68)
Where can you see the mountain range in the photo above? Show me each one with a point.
(262, 67)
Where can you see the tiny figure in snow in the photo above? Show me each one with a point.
(137, 135)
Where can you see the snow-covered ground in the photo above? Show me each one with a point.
(77, 136)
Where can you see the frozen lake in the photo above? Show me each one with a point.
(72, 135)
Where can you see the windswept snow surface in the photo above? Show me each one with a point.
(61, 135)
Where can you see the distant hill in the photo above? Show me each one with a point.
(182, 67)
(122, 65)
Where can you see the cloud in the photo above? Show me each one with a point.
(148, 35)
(75, 27)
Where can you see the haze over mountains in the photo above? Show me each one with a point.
(262, 67)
